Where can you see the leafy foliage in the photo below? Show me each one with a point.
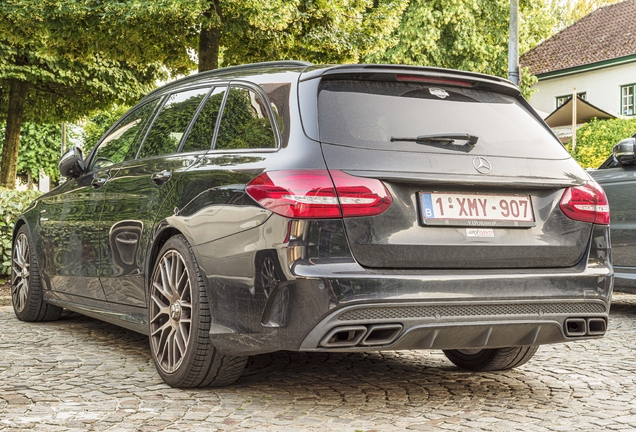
(566, 13)
(594, 140)
(242, 126)
(97, 125)
(40, 150)
(468, 35)
(335, 31)
(200, 136)
(172, 122)
(12, 203)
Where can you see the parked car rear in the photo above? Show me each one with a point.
(288, 206)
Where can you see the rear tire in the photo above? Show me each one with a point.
(179, 323)
(27, 294)
(491, 359)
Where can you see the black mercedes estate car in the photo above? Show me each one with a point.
(288, 206)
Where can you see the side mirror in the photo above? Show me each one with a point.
(72, 163)
(624, 151)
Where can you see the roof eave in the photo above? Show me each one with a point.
(587, 67)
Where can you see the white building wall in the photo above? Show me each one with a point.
(603, 88)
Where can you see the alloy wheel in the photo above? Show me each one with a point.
(170, 311)
(21, 272)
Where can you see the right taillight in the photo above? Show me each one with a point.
(318, 194)
(587, 203)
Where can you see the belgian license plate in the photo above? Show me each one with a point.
(493, 210)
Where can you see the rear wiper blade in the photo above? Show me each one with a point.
(448, 138)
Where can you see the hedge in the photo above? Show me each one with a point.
(594, 140)
(12, 203)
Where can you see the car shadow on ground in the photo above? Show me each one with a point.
(419, 375)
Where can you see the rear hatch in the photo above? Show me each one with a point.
(489, 204)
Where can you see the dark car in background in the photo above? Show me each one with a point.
(287, 206)
(617, 175)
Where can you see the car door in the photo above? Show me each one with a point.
(619, 184)
(211, 206)
(135, 193)
(70, 217)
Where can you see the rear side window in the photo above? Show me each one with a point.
(168, 128)
(121, 144)
(245, 123)
(369, 113)
(202, 132)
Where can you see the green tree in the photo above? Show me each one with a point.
(320, 31)
(40, 151)
(42, 89)
(566, 13)
(595, 140)
(97, 125)
(62, 59)
(465, 34)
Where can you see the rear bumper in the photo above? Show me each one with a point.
(408, 311)
(397, 309)
(456, 325)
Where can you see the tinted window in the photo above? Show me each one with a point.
(168, 128)
(278, 95)
(244, 123)
(121, 143)
(202, 132)
(368, 113)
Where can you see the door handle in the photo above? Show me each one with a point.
(161, 177)
(98, 182)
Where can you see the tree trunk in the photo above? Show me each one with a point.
(210, 40)
(9, 164)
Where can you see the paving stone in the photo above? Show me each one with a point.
(82, 374)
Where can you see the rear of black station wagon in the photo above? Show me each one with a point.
(286, 206)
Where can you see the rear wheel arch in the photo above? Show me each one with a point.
(159, 240)
(16, 228)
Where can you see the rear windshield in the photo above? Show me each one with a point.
(369, 113)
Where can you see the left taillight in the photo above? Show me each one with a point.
(587, 203)
(318, 194)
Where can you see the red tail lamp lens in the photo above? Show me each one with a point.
(360, 196)
(310, 194)
(586, 203)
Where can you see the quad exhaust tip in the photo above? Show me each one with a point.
(575, 327)
(367, 336)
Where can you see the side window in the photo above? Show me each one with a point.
(168, 128)
(121, 144)
(202, 132)
(278, 95)
(244, 122)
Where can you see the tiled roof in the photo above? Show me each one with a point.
(607, 33)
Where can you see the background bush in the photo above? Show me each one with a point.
(12, 203)
(594, 140)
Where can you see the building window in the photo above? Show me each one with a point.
(561, 100)
(627, 99)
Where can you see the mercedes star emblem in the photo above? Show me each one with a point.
(482, 165)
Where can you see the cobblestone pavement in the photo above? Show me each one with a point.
(82, 374)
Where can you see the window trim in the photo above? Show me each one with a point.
(568, 97)
(198, 112)
(91, 155)
(633, 86)
(163, 103)
(270, 116)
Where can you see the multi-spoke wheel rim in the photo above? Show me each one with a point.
(170, 311)
(21, 270)
(269, 276)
